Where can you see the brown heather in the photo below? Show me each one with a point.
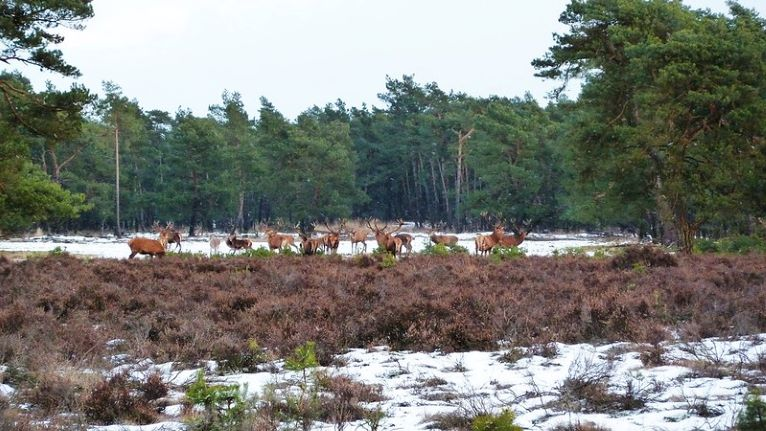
(61, 309)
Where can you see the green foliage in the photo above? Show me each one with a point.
(303, 358)
(443, 250)
(260, 252)
(29, 197)
(58, 251)
(663, 130)
(753, 416)
(303, 407)
(739, 244)
(224, 405)
(501, 422)
(388, 261)
(506, 253)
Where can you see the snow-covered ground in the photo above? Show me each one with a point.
(417, 386)
(111, 247)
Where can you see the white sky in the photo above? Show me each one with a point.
(171, 54)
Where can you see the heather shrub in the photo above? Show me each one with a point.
(635, 257)
(115, 400)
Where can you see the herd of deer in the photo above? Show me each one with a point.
(389, 240)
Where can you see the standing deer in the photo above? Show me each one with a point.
(404, 237)
(359, 235)
(215, 244)
(278, 241)
(140, 245)
(168, 235)
(514, 240)
(235, 243)
(331, 241)
(386, 241)
(485, 243)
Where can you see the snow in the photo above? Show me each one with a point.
(418, 385)
(117, 248)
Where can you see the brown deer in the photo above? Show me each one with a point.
(278, 241)
(514, 240)
(331, 241)
(404, 237)
(357, 236)
(442, 239)
(485, 243)
(309, 246)
(235, 243)
(168, 235)
(140, 245)
(387, 241)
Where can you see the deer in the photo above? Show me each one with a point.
(485, 243)
(404, 237)
(442, 239)
(387, 241)
(215, 243)
(331, 241)
(278, 241)
(358, 235)
(141, 245)
(518, 236)
(309, 246)
(235, 243)
(168, 235)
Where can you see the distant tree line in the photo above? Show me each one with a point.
(666, 139)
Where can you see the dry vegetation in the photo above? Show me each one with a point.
(64, 310)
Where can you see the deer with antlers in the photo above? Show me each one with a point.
(386, 240)
(331, 241)
(309, 246)
(278, 241)
(485, 243)
(168, 235)
(518, 236)
(235, 243)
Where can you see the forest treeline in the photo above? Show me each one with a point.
(666, 138)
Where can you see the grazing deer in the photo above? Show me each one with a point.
(485, 243)
(356, 236)
(140, 245)
(235, 243)
(215, 244)
(168, 235)
(387, 241)
(448, 240)
(279, 241)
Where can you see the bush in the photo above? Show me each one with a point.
(443, 250)
(753, 417)
(501, 422)
(258, 252)
(506, 253)
(224, 406)
(638, 258)
(115, 400)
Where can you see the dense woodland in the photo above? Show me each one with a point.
(666, 138)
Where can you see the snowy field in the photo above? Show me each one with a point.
(111, 247)
(417, 386)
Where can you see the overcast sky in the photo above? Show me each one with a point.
(171, 54)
